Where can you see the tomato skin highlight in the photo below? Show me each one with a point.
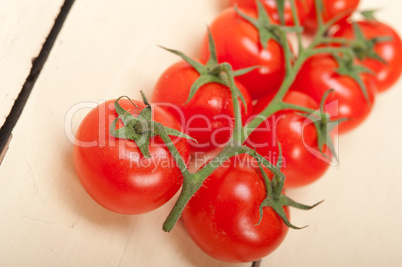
(386, 75)
(296, 135)
(318, 75)
(332, 8)
(114, 172)
(237, 42)
(209, 116)
(303, 9)
(222, 217)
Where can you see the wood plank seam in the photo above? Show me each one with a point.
(37, 66)
(4, 151)
(256, 263)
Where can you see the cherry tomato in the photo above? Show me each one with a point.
(332, 8)
(237, 42)
(222, 217)
(386, 74)
(297, 136)
(318, 75)
(303, 8)
(209, 116)
(114, 172)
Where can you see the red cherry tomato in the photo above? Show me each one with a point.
(237, 42)
(303, 9)
(222, 217)
(332, 8)
(114, 172)
(318, 75)
(209, 116)
(302, 161)
(386, 74)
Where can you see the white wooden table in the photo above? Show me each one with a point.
(109, 48)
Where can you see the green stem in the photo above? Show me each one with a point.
(297, 24)
(272, 108)
(298, 108)
(175, 153)
(327, 50)
(228, 153)
(290, 73)
(193, 182)
(288, 54)
(320, 20)
(342, 41)
(320, 37)
(185, 195)
(277, 102)
(238, 128)
(224, 155)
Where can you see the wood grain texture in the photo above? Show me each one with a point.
(109, 48)
(24, 28)
(105, 49)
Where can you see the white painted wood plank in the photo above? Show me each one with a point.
(104, 51)
(24, 28)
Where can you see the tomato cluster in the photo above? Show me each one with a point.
(243, 72)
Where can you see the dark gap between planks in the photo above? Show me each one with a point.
(256, 264)
(37, 66)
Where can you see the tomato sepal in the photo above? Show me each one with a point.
(266, 29)
(347, 67)
(142, 128)
(370, 14)
(281, 10)
(276, 200)
(364, 48)
(324, 126)
(212, 71)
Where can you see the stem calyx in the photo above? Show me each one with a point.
(212, 71)
(274, 197)
(140, 129)
(363, 47)
(266, 29)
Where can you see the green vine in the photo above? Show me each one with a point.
(222, 73)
